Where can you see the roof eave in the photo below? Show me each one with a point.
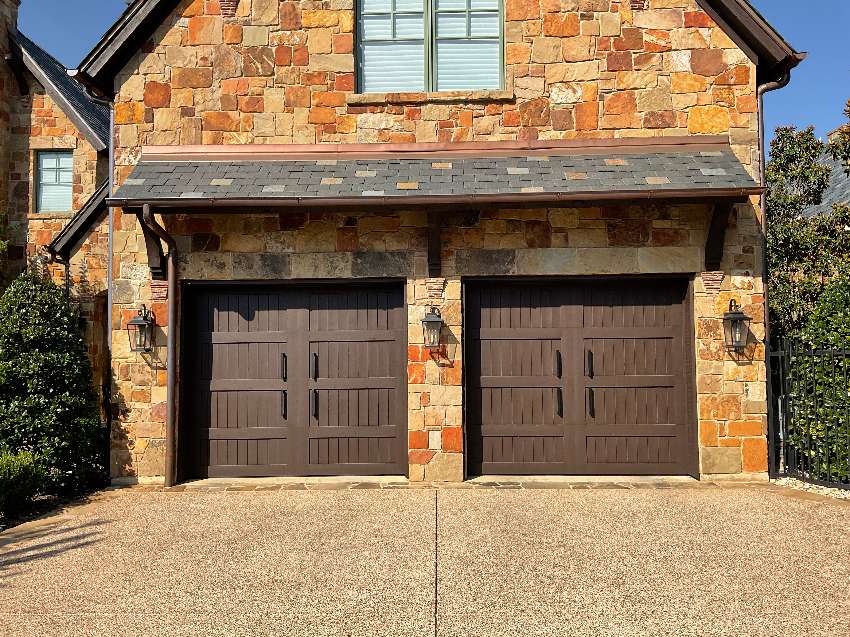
(100, 145)
(184, 204)
(78, 228)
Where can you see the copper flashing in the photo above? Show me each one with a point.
(283, 152)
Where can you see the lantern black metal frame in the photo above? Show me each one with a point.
(736, 328)
(140, 329)
(432, 328)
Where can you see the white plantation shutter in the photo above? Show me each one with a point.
(55, 187)
(430, 45)
(392, 46)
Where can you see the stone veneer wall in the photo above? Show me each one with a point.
(8, 88)
(565, 241)
(283, 72)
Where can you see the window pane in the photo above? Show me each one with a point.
(409, 5)
(484, 24)
(377, 27)
(484, 4)
(451, 5)
(393, 66)
(468, 64)
(410, 26)
(377, 6)
(55, 177)
(451, 25)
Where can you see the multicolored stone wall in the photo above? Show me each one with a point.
(284, 72)
(639, 239)
(8, 88)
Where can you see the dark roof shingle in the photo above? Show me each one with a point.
(493, 178)
(90, 116)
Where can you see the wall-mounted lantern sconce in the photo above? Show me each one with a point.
(432, 326)
(140, 331)
(736, 327)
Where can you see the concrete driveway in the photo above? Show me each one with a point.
(709, 561)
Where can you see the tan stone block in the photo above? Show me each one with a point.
(255, 36)
(606, 261)
(312, 18)
(545, 50)
(166, 119)
(609, 24)
(445, 467)
(636, 79)
(320, 41)
(688, 39)
(542, 261)
(669, 259)
(445, 395)
(265, 12)
(572, 72)
(588, 237)
(720, 460)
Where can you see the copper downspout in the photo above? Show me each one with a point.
(148, 219)
(772, 466)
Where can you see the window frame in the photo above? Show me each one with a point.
(38, 183)
(430, 39)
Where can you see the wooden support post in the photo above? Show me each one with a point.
(156, 255)
(435, 258)
(717, 235)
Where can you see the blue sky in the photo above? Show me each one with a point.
(818, 91)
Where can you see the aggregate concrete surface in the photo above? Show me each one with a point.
(711, 562)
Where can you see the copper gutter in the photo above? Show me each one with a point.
(147, 218)
(281, 152)
(182, 204)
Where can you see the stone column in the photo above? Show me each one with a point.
(8, 91)
(434, 384)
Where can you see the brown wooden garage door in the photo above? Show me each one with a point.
(585, 377)
(294, 381)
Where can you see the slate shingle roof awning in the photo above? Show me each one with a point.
(409, 177)
(89, 116)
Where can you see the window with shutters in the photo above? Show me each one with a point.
(54, 181)
(429, 45)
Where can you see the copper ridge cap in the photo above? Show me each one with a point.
(282, 152)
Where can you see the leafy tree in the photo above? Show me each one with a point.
(803, 254)
(48, 405)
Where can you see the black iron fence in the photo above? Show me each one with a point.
(810, 413)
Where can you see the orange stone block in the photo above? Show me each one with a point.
(522, 9)
(129, 113)
(561, 24)
(418, 354)
(587, 116)
(157, 95)
(417, 440)
(451, 375)
(745, 428)
(221, 121)
(708, 430)
(754, 454)
(420, 456)
(452, 439)
(416, 373)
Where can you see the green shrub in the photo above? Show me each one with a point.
(21, 479)
(821, 383)
(47, 401)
